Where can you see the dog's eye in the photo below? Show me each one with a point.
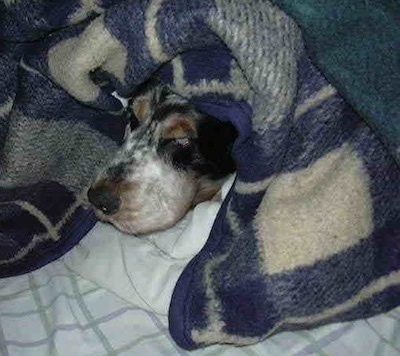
(182, 142)
(180, 151)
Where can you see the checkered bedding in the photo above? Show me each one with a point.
(54, 311)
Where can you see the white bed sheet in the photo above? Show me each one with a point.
(144, 270)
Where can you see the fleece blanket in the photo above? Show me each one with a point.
(309, 233)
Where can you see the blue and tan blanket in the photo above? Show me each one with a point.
(310, 232)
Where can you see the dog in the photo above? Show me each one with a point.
(172, 158)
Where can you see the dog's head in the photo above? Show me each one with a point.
(174, 159)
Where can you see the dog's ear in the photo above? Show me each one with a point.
(207, 189)
(143, 99)
(141, 106)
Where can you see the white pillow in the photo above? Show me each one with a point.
(143, 270)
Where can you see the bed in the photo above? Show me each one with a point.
(110, 294)
(299, 255)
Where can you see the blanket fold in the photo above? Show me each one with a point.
(309, 233)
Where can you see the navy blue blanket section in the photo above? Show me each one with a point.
(310, 232)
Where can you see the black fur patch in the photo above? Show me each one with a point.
(181, 156)
(215, 140)
(209, 154)
(163, 111)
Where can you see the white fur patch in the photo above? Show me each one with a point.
(314, 213)
(160, 197)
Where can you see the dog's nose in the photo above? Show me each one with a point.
(103, 199)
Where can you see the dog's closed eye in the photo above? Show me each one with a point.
(181, 152)
(182, 142)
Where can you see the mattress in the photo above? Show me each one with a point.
(110, 296)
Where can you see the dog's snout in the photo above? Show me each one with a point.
(103, 199)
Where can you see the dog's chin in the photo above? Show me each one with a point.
(126, 228)
(133, 227)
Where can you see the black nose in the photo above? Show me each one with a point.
(103, 199)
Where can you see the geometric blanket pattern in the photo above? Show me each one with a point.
(310, 231)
